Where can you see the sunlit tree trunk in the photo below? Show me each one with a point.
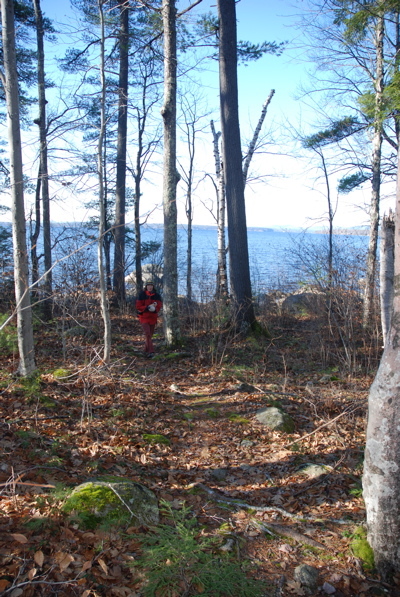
(381, 479)
(232, 163)
(222, 272)
(170, 288)
(10, 83)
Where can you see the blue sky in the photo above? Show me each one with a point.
(291, 196)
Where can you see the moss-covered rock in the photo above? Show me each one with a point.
(113, 503)
(275, 419)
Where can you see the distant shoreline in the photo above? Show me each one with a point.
(359, 231)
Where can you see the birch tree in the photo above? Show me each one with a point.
(222, 271)
(9, 80)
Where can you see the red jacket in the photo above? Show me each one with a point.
(145, 299)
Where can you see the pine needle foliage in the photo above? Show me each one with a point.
(179, 561)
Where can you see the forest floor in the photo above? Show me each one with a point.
(183, 425)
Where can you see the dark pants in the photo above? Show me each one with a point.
(148, 330)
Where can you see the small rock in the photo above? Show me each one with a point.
(313, 471)
(325, 379)
(308, 577)
(275, 419)
(328, 589)
(219, 474)
(243, 387)
(247, 443)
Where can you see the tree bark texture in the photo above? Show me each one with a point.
(120, 192)
(376, 175)
(10, 83)
(168, 111)
(381, 479)
(232, 165)
(386, 272)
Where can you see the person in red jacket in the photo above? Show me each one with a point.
(148, 304)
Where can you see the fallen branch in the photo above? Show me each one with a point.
(288, 532)
(239, 504)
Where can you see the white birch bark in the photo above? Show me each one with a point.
(10, 82)
(222, 272)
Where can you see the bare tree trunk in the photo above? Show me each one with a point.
(222, 271)
(331, 215)
(120, 193)
(10, 83)
(386, 272)
(257, 130)
(48, 281)
(170, 288)
(189, 217)
(376, 176)
(34, 237)
(232, 161)
(103, 290)
(381, 479)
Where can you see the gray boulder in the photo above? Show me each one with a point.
(308, 577)
(275, 419)
(303, 302)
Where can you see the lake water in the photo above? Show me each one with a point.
(279, 260)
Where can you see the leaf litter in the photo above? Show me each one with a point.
(236, 476)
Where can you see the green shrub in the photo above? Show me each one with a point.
(176, 555)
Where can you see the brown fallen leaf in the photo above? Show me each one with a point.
(32, 573)
(20, 538)
(63, 560)
(103, 565)
(39, 558)
(86, 565)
